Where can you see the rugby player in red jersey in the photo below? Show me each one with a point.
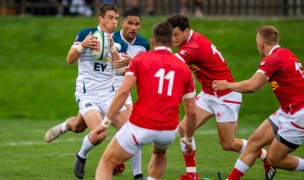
(284, 129)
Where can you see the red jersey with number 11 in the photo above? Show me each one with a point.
(162, 81)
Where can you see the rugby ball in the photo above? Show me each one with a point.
(121, 70)
(102, 46)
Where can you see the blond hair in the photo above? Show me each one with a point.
(269, 34)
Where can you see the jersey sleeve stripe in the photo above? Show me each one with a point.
(261, 71)
(189, 95)
(129, 74)
(179, 57)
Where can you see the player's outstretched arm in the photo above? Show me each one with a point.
(247, 86)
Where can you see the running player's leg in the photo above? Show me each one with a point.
(203, 114)
(121, 148)
(288, 138)
(260, 138)
(120, 120)
(158, 163)
(93, 118)
(75, 124)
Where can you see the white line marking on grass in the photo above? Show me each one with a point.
(28, 143)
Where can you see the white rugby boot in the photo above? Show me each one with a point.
(53, 133)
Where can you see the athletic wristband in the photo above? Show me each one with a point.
(80, 49)
(106, 122)
(188, 140)
(113, 49)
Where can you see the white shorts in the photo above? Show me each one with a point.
(225, 108)
(99, 102)
(117, 83)
(290, 127)
(132, 137)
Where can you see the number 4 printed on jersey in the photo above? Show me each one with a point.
(299, 68)
(215, 51)
(162, 77)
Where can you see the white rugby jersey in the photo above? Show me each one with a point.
(94, 76)
(139, 44)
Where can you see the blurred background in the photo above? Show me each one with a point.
(193, 8)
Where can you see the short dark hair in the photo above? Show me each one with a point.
(269, 34)
(104, 7)
(180, 21)
(131, 12)
(162, 34)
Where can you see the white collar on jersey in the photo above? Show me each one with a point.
(125, 39)
(102, 30)
(191, 33)
(273, 48)
(163, 48)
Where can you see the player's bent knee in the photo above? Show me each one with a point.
(227, 147)
(97, 138)
(271, 160)
(79, 129)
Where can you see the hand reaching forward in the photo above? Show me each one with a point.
(220, 85)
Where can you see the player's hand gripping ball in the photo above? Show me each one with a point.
(102, 46)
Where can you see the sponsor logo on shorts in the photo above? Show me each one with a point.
(88, 105)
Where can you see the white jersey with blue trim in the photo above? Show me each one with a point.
(138, 45)
(94, 77)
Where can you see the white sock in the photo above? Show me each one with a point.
(300, 165)
(244, 146)
(183, 146)
(242, 167)
(63, 126)
(136, 163)
(263, 154)
(85, 148)
(151, 178)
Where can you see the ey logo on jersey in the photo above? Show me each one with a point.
(99, 66)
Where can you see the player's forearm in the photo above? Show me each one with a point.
(73, 56)
(242, 87)
(117, 103)
(190, 110)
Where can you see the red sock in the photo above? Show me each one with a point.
(235, 174)
(190, 160)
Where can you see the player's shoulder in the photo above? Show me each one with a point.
(142, 41)
(200, 39)
(117, 34)
(120, 44)
(84, 32)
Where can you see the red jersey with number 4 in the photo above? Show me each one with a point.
(162, 81)
(286, 78)
(205, 61)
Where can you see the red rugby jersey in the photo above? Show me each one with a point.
(286, 78)
(206, 61)
(162, 81)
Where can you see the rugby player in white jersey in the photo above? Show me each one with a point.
(94, 87)
(130, 25)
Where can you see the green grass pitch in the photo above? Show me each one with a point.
(37, 92)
